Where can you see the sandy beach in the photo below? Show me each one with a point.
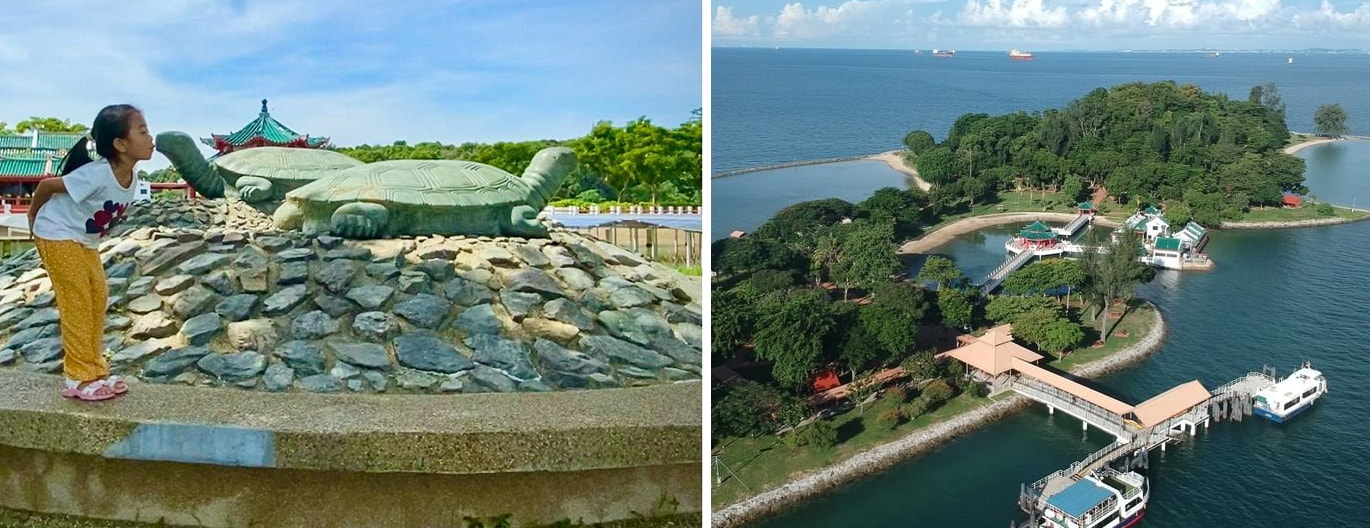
(1295, 148)
(946, 233)
(895, 159)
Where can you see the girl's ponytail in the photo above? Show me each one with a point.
(76, 157)
(110, 124)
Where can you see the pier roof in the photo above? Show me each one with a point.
(993, 352)
(1073, 387)
(1170, 403)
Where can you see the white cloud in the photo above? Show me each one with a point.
(794, 21)
(1019, 13)
(1074, 23)
(726, 25)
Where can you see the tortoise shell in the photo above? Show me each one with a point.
(285, 163)
(433, 183)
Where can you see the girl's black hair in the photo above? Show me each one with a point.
(111, 123)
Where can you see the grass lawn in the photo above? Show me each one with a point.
(1281, 214)
(765, 463)
(1136, 324)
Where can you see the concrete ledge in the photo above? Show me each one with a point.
(448, 434)
(218, 496)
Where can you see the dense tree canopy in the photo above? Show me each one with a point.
(1148, 142)
(639, 162)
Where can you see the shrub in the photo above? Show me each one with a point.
(898, 393)
(1324, 209)
(820, 434)
(891, 418)
(916, 408)
(937, 392)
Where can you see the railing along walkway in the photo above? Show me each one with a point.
(1078, 407)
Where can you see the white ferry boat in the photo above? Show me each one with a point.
(1292, 395)
(1106, 499)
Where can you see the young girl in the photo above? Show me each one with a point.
(70, 215)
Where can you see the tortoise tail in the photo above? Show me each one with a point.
(546, 172)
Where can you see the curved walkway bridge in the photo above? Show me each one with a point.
(1003, 365)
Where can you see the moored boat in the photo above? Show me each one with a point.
(1105, 499)
(1292, 395)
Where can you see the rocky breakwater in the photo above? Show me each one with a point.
(204, 293)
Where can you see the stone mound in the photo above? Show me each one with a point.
(250, 307)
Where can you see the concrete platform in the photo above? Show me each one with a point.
(602, 455)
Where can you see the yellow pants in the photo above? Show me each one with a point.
(78, 280)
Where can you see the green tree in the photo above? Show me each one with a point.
(1006, 308)
(1060, 335)
(1073, 186)
(942, 271)
(939, 166)
(905, 207)
(919, 365)
(867, 257)
(956, 307)
(919, 142)
(49, 124)
(166, 175)
(821, 434)
(1330, 120)
(753, 409)
(1114, 274)
(732, 320)
(791, 333)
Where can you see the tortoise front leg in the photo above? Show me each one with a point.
(360, 220)
(523, 221)
(253, 188)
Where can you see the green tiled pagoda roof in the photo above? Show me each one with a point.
(1086, 205)
(12, 167)
(1151, 210)
(1037, 231)
(1168, 244)
(46, 140)
(267, 128)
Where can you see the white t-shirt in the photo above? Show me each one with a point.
(94, 201)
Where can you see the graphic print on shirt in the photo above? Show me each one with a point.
(105, 218)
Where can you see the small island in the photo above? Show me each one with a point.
(824, 348)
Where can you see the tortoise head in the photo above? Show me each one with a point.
(185, 156)
(546, 172)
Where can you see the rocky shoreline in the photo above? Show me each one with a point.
(882, 457)
(205, 293)
(1292, 224)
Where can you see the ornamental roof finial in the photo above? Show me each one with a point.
(263, 106)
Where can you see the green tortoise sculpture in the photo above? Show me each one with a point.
(428, 197)
(257, 175)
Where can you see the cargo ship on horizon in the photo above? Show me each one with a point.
(943, 53)
(1020, 55)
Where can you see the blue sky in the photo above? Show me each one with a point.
(1043, 24)
(359, 71)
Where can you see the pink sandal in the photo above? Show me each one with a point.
(117, 383)
(97, 390)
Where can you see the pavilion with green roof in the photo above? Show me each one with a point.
(1036, 235)
(265, 131)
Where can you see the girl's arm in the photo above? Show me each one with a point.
(45, 190)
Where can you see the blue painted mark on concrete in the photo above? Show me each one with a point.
(199, 444)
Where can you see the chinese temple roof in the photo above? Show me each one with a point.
(1037, 231)
(261, 132)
